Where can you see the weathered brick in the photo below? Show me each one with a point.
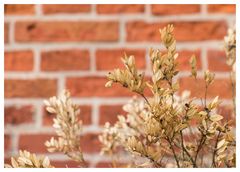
(18, 60)
(65, 164)
(19, 9)
(104, 165)
(184, 57)
(110, 59)
(66, 8)
(85, 116)
(32, 88)
(63, 31)
(62, 60)
(26, 142)
(221, 8)
(167, 9)
(227, 112)
(6, 33)
(220, 87)
(92, 86)
(90, 143)
(184, 31)
(15, 115)
(7, 143)
(109, 113)
(217, 61)
(119, 8)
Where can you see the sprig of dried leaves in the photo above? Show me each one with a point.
(26, 159)
(156, 129)
(67, 126)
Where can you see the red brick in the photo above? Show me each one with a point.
(85, 116)
(34, 88)
(66, 8)
(220, 87)
(109, 113)
(18, 114)
(65, 60)
(110, 165)
(65, 164)
(221, 8)
(6, 33)
(7, 143)
(92, 86)
(120, 8)
(166, 9)
(90, 143)
(110, 59)
(7, 160)
(61, 31)
(19, 9)
(18, 60)
(217, 61)
(184, 31)
(184, 57)
(104, 165)
(34, 142)
(227, 113)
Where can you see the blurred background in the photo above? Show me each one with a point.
(49, 48)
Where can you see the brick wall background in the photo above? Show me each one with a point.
(52, 47)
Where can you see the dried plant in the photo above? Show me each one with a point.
(27, 160)
(157, 129)
(67, 127)
(165, 129)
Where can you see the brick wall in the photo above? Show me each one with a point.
(52, 47)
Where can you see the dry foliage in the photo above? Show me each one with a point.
(166, 126)
(28, 160)
(164, 130)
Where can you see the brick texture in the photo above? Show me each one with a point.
(94, 87)
(174, 9)
(18, 61)
(50, 47)
(217, 61)
(109, 59)
(222, 8)
(29, 88)
(6, 33)
(184, 31)
(66, 8)
(25, 142)
(18, 115)
(109, 113)
(220, 87)
(120, 9)
(7, 143)
(19, 9)
(66, 31)
(65, 60)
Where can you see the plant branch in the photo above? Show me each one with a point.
(173, 151)
(145, 99)
(215, 149)
(186, 151)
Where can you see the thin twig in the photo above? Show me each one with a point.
(145, 99)
(174, 153)
(205, 96)
(215, 150)
(186, 151)
(202, 141)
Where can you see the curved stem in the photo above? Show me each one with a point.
(174, 153)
